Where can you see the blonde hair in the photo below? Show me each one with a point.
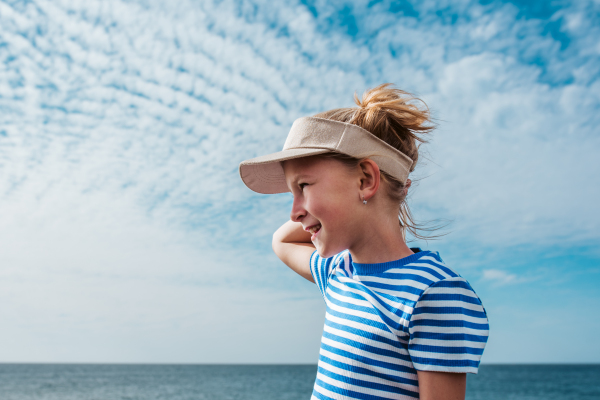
(395, 117)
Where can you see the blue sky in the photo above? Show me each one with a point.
(129, 237)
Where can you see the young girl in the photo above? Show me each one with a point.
(400, 324)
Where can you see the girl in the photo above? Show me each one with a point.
(400, 324)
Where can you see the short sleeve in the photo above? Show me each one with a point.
(448, 328)
(321, 268)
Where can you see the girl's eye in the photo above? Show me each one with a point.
(302, 185)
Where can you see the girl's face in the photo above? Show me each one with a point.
(326, 201)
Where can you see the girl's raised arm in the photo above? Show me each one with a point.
(292, 245)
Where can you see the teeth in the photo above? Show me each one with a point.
(314, 229)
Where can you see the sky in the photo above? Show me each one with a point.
(127, 235)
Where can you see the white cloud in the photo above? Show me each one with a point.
(499, 277)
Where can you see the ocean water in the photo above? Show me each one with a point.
(265, 382)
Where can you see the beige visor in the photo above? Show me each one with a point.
(311, 136)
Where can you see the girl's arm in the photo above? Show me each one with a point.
(441, 385)
(292, 245)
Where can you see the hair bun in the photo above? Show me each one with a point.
(395, 116)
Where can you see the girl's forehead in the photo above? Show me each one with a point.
(295, 171)
(300, 165)
(313, 167)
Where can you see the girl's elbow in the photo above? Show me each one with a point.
(276, 243)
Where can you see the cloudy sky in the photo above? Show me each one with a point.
(126, 234)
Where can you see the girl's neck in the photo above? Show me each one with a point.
(380, 241)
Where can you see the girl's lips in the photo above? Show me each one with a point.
(315, 231)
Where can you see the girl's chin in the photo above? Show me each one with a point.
(326, 251)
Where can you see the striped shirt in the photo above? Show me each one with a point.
(386, 321)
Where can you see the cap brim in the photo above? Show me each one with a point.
(265, 174)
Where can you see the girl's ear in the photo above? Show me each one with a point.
(407, 186)
(370, 177)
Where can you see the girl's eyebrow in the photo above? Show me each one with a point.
(300, 177)
(297, 178)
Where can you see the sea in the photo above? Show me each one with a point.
(265, 382)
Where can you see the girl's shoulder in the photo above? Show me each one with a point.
(431, 262)
(443, 282)
(426, 269)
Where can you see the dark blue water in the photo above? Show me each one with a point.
(265, 382)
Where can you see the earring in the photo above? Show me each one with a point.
(364, 201)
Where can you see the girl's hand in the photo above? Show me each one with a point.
(292, 245)
(441, 385)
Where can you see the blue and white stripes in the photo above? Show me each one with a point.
(386, 321)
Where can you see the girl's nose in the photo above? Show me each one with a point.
(298, 211)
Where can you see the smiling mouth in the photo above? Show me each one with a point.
(313, 230)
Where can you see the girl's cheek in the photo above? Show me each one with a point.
(330, 207)
(317, 207)
(335, 216)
